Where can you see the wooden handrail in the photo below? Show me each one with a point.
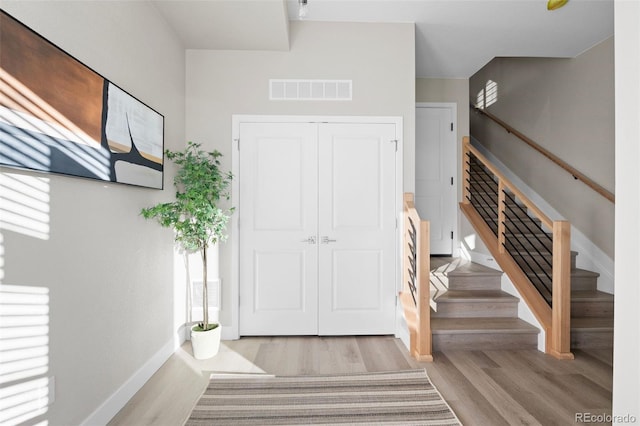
(417, 306)
(560, 162)
(554, 319)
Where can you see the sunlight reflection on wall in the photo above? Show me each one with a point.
(25, 385)
(488, 95)
(24, 354)
(24, 204)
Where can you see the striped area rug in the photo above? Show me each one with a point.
(388, 398)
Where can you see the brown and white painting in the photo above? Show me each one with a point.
(57, 115)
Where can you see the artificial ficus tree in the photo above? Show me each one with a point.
(195, 216)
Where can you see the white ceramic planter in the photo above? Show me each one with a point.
(205, 344)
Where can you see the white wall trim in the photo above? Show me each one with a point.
(112, 405)
(402, 329)
(232, 331)
(590, 257)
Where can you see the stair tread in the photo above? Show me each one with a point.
(481, 326)
(578, 272)
(464, 296)
(474, 269)
(591, 296)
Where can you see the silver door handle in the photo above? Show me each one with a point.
(310, 240)
(326, 240)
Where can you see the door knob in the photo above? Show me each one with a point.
(310, 240)
(327, 240)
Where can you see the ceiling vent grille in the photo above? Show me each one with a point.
(310, 90)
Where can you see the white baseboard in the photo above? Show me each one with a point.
(228, 333)
(590, 256)
(109, 408)
(404, 337)
(402, 329)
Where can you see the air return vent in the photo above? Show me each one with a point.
(310, 90)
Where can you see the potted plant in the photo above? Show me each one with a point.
(198, 223)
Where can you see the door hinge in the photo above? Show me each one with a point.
(395, 143)
(452, 127)
(451, 180)
(238, 142)
(452, 235)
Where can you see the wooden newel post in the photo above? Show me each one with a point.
(424, 296)
(561, 299)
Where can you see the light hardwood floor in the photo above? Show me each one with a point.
(523, 387)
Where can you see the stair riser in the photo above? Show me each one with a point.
(478, 341)
(591, 339)
(584, 283)
(593, 309)
(476, 309)
(477, 282)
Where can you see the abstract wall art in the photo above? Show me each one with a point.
(58, 115)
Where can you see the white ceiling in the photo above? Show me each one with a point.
(228, 24)
(454, 38)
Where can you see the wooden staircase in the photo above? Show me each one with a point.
(474, 313)
(470, 311)
(529, 243)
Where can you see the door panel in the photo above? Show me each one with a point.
(356, 229)
(363, 291)
(353, 166)
(435, 166)
(279, 180)
(268, 267)
(278, 211)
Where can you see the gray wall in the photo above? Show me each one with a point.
(566, 106)
(109, 273)
(454, 90)
(379, 58)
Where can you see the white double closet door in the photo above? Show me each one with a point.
(317, 228)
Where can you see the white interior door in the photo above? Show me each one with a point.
(278, 210)
(435, 197)
(357, 229)
(317, 228)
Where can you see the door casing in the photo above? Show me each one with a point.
(232, 331)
